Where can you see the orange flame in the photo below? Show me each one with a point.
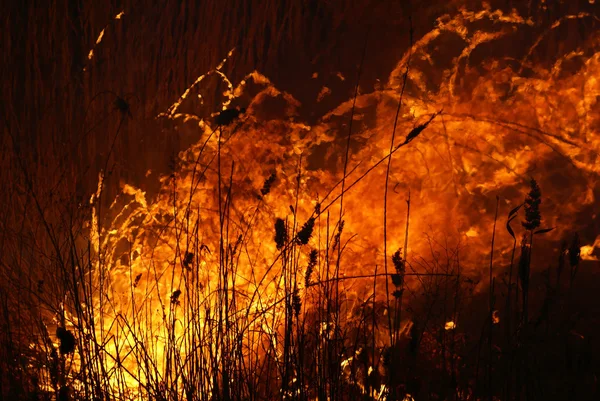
(159, 260)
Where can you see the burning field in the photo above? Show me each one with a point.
(403, 207)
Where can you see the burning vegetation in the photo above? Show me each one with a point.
(427, 234)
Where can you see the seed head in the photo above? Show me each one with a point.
(398, 261)
(306, 231)
(281, 236)
(312, 262)
(296, 302)
(397, 280)
(175, 297)
(533, 216)
(188, 260)
(267, 184)
(575, 251)
(67, 340)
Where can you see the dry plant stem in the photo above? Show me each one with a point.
(508, 319)
(369, 170)
(526, 359)
(335, 383)
(406, 230)
(526, 291)
(373, 331)
(387, 179)
(491, 304)
(289, 271)
(403, 274)
(445, 316)
(349, 137)
(455, 318)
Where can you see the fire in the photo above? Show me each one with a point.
(495, 317)
(100, 36)
(587, 251)
(450, 325)
(175, 271)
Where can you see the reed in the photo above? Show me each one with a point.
(214, 319)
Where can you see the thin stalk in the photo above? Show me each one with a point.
(508, 320)
(491, 305)
(387, 178)
(334, 389)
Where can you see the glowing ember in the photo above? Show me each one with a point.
(450, 325)
(587, 251)
(495, 317)
(100, 36)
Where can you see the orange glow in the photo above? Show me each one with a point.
(159, 256)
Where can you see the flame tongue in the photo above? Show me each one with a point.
(211, 225)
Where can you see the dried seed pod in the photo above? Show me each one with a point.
(338, 235)
(296, 302)
(306, 231)
(415, 132)
(533, 216)
(175, 296)
(281, 236)
(312, 262)
(267, 184)
(188, 259)
(398, 261)
(67, 340)
(137, 279)
(397, 280)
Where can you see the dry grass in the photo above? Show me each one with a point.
(325, 343)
